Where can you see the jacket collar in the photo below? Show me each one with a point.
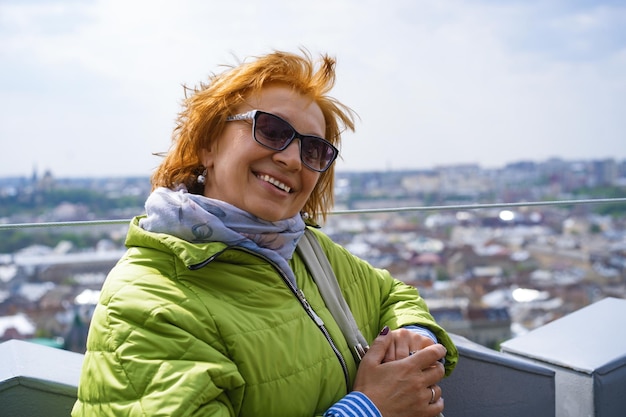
(189, 253)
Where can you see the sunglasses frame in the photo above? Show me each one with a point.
(253, 114)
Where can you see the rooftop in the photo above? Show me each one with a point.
(556, 370)
(572, 366)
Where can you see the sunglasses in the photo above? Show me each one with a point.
(275, 133)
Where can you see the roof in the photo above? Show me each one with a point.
(589, 340)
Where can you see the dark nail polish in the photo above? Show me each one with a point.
(384, 331)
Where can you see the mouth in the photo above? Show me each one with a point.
(281, 186)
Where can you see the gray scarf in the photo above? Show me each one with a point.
(196, 218)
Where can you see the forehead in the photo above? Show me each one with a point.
(300, 110)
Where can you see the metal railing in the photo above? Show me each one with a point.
(352, 211)
(536, 391)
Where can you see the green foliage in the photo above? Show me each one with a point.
(16, 239)
(33, 203)
(36, 203)
(615, 210)
(442, 274)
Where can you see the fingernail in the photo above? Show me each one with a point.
(384, 331)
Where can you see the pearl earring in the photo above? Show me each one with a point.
(202, 177)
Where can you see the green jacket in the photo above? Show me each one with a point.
(186, 329)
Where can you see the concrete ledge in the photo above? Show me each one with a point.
(36, 380)
(587, 351)
(488, 383)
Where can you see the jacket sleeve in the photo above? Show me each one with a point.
(377, 299)
(147, 354)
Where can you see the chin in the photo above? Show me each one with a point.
(271, 211)
(272, 216)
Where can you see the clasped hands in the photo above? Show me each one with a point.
(400, 372)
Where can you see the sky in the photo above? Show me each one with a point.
(91, 88)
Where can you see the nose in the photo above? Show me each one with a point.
(290, 156)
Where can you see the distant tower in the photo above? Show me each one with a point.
(47, 181)
(34, 176)
(605, 171)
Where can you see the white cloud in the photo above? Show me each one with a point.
(92, 88)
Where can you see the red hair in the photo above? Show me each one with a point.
(206, 108)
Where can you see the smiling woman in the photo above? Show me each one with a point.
(280, 84)
(206, 314)
(268, 182)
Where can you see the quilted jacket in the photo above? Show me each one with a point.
(187, 329)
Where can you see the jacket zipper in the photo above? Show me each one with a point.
(303, 301)
(320, 324)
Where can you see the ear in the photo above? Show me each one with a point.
(207, 157)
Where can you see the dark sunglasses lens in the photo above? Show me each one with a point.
(275, 133)
(316, 153)
(271, 131)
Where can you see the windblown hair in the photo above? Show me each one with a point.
(206, 108)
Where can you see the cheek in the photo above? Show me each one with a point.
(311, 181)
(231, 139)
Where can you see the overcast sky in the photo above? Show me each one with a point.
(92, 87)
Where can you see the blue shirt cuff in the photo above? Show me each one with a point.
(355, 404)
(423, 331)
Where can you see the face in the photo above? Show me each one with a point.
(272, 185)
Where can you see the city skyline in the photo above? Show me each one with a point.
(577, 164)
(93, 89)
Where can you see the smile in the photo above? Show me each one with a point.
(274, 182)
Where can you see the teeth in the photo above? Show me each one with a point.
(274, 182)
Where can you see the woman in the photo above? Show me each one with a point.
(206, 313)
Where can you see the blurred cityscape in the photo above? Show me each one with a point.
(488, 273)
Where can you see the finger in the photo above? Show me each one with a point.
(436, 399)
(398, 349)
(418, 342)
(379, 346)
(402, 344)
(428, 356)
(435, 393)
(434, 373)
(422, 342)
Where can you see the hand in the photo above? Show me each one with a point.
(404, 342)
(402, 387)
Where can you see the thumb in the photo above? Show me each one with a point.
(379, 346)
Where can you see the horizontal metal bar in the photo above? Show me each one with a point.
(344, 212)
(483, 206)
